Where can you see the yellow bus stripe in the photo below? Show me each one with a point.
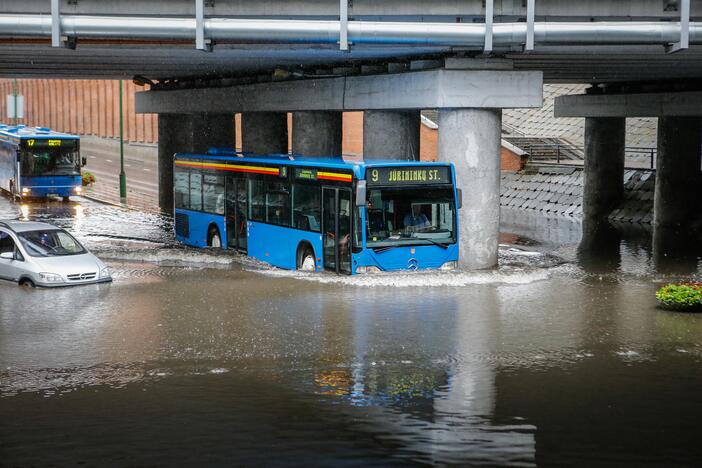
(272, 170)
(335, 175)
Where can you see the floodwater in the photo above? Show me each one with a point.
(192, 357)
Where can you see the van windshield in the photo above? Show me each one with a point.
(50, 243)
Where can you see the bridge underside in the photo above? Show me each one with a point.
(160, 61)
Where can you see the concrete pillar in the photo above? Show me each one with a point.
(678, 179)
(317, 133)
(178, 133)
(470, 139)
(264, 132)
(677, 217)
(391, 135)
(603, 189)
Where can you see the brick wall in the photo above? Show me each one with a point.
(84, 107)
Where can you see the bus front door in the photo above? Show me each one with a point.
(236, 213)
(336, 228)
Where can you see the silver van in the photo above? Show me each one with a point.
(39, 254)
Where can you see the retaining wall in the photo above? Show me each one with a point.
(558, 191)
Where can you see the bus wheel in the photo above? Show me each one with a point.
(214, 239)
(306, 261)
(66, 199)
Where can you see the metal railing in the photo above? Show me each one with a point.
(548, 152)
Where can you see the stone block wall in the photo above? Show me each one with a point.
(557, 191)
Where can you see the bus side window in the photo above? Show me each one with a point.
(278, 203)
(307, 207)
(213, 193)
(196, 191)
(182, 188)
(256, 200)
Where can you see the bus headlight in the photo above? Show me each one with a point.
(448, 266)
(26, 190)
(51, 278)
(79, 190)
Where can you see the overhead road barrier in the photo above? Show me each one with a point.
(504, 35)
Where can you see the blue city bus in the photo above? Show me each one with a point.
(319, 214)
(36, 162)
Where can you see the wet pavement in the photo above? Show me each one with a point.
(194, 357)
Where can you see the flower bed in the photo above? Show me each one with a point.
(685, 297)
(88, 178)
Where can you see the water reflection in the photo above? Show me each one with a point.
(535, 363)
(599, 249)
(676, 250)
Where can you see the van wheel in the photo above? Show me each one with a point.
(306, 261)
(26, 283)
(214, 239)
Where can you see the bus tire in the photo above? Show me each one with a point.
(305, 258)
(213, 238)
(66, 199)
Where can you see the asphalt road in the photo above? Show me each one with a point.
(141, 172)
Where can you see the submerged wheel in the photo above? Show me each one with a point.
(66, 199)
(26, 283)
(306, 261)
(214, 239)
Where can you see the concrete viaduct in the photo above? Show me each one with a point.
(207, 60)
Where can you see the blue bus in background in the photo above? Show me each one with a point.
(36, 162)
(319, 214)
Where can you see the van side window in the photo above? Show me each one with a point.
(6, 243)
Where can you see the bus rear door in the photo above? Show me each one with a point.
(236, 210)
(336, 229)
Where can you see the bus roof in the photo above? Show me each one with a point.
(22, 132)
(358, 167)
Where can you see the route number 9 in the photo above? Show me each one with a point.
(374, 175)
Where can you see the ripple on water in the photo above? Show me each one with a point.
(516, 267)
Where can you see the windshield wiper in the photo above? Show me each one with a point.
(440, 244)
(385, 248)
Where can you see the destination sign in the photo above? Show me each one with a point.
(306, 174)
(408, 175)
(42, 143)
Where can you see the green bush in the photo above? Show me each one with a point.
(685, 296)
(88, 178)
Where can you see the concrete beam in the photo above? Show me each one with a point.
(682, 104)
(429, 89)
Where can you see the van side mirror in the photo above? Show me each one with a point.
(361, 193)
(459, 198)
(7, 255)
(83, 161)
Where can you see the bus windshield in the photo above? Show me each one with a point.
(43, 160)
(410, 216)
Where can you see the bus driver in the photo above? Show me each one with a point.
(416, 219)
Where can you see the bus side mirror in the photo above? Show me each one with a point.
(361, 193)
(459, 198)
(83, 161)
